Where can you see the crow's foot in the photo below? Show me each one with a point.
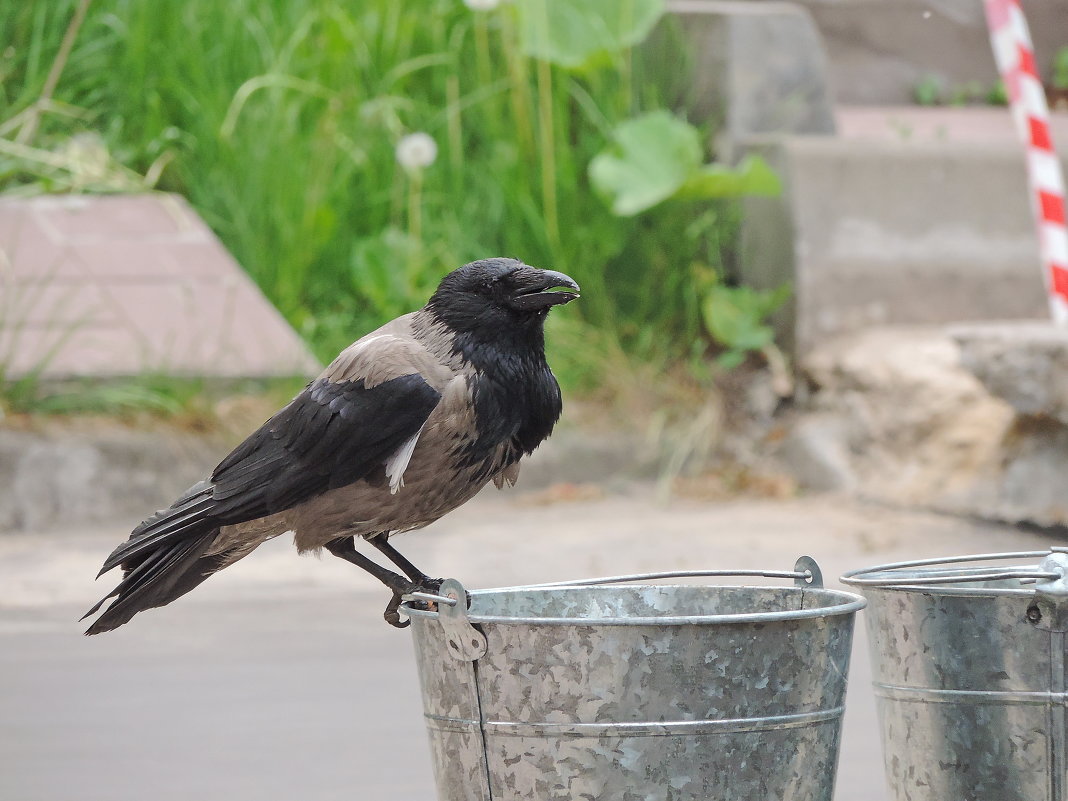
(432, 586)
(392, 615)
(425, 584)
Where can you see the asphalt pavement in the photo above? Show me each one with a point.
(278, 679)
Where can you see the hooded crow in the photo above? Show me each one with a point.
(405, 425)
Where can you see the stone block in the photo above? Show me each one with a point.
(1029, 481)
(759, 68)
(900, 411)
(1023, 363)
(903, 417)
(816, 453)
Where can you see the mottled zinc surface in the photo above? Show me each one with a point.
(682, 712)
(127, 284)
(970, 694)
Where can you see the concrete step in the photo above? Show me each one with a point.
(962, 127)
(879, 50)
(890, 215)
(910, 216)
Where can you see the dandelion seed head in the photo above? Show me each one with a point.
(416, 151)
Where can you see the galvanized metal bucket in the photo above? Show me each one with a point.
(592, 690)
(968, 659)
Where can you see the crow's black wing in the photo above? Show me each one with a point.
(330, 435)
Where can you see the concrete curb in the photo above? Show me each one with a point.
(63, 477)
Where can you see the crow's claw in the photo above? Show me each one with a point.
(391, 614)
(427, 585)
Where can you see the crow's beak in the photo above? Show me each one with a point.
(544, 289)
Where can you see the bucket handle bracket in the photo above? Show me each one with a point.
(814, 578)
(465, 642)
(1049, 609)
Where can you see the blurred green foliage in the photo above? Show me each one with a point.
(279, 121)
(658, 156)
(932, 90)
(1059, 77)
(736, 317)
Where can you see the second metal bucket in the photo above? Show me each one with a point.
(591, 691)
(969, 674)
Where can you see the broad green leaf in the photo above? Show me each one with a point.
(730, 359)
(770, 300)
(735, 316)
(571, 33)
(752, 177)
(650, 158)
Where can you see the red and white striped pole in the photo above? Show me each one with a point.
(1015, 57)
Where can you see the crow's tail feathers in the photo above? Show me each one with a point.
(163, 559)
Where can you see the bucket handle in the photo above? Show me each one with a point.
(1047, 571)
(1022, 573)
(806, 573)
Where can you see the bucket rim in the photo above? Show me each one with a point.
(849, 603)
(933, 574)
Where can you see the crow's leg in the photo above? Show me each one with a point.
(345, 548)
(424, 582)
(410, 570)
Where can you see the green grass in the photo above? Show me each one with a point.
(280, 119)
(191, 403)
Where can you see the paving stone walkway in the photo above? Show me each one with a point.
(120, 285)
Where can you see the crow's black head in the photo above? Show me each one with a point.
(494, 298)
(493, 314)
